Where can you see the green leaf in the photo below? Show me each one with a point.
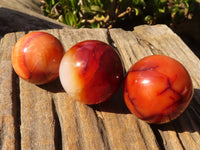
(148, 19)
(85, 9)
(52, 2)
(96, 8)
(95, 25)
(68, 18)
(161, 10)
(137, 11)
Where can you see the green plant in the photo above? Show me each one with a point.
(117, 13)
(66, 11)
(181, 9)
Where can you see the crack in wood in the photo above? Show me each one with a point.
(57, 128)
(81, 141)
(181, 143)
(152, 48)
(142, 134)
(112, 43)
(158, 137)
(110, 40)
(16, 109)
(102, 129)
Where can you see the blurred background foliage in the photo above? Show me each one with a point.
(119, 13)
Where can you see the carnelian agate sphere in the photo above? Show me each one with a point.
(36, 57)
(157, 89)
(91, 71)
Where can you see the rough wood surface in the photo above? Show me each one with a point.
(22, 5)
(24, 15)
(45, 117)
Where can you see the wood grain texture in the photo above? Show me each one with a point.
(22, 5)
(9, 118)
(185, 130)
(182, 133)
(45, 117)
(23, 15)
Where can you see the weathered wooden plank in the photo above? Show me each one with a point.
(109, 130)
(83, 133)
(37, 118)
(37, 130)
(22, 5)
(50, 119)
(23, 15)
(149, 40)
(186, 128)
(9, 123)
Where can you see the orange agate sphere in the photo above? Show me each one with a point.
(36, 57)
(91, 71)
(157, 89)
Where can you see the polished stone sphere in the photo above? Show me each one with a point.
(36, 57)
(91, 71)
(157, 89)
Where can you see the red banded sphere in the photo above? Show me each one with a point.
(91, 71)
(157, 89)
(36, 57)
